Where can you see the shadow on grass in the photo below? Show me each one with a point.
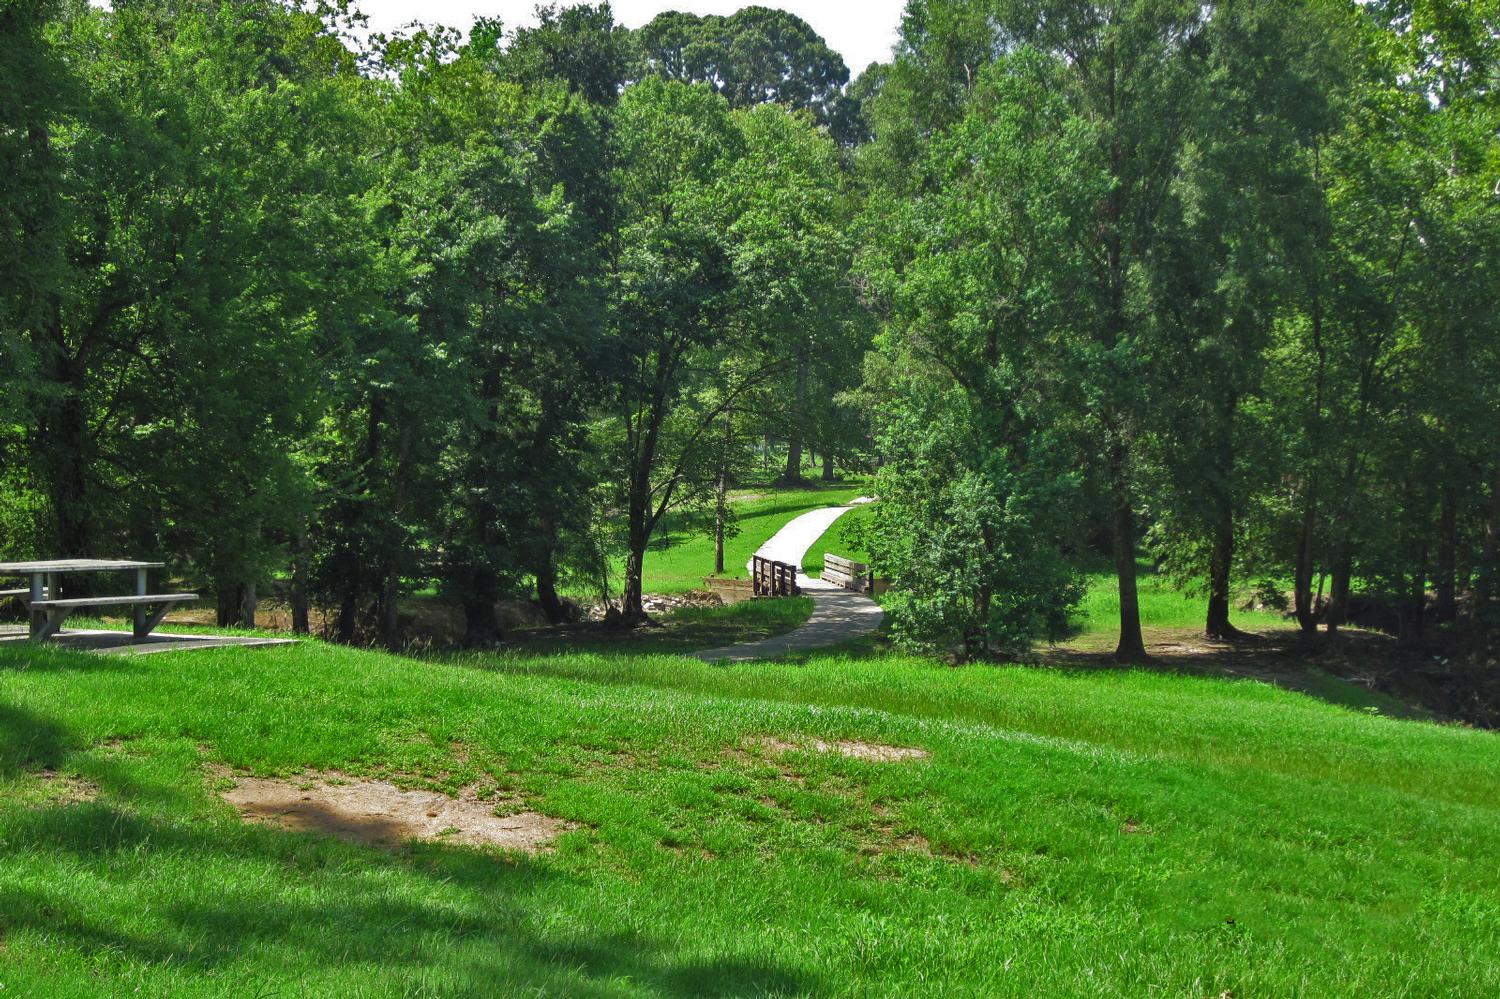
(173, 885)
(1337, 672)
(686, 630)
(34, 658)
(28, 742)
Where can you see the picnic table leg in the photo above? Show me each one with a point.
(48, 622)
(38, 592)
(140, 630)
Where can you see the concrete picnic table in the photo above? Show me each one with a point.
(49, 610)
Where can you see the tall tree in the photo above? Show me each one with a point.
(980, 278)
(757, 55)
(792, 255)
(1233, 221)
(676, 145)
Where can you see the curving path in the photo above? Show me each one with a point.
(838, 616)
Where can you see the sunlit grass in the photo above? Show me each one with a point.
(1073, 833)
(1162, 606)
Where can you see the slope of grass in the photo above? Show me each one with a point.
(681, 561)
(835, 540)
(1072, 833)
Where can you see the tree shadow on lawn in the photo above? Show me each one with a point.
(30, 657)
(1351, 671)
(684, 631)
(299, 901)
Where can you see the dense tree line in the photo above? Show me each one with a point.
(1209, 284)
(1229, 267)
(470, 311)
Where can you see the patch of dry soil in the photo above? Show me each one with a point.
(65, 790)
(874, 752)
(379, 812)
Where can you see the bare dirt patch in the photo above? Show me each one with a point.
(62, 789)
(873, 752)
(379, 812)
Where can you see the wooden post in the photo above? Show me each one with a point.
(139, 628)
(54, 592)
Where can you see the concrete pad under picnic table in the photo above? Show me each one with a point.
(125, 644)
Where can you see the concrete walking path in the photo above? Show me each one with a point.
(838, 616)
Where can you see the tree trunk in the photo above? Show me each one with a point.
(1410, 619)
(1220, 563)
(546, 577)
(721, 507)
(794, 430)
(1305, 603)
(827, 467)
(1338, 587)
(1447, 558)
(1131, 646)
(235, 605)
(1486, 591)
(638, 536)
(631, 604)
(481, 591)
(353, 573)
(348, 616)
(299, 601)
(61, 434)
(229, 600)
(977, 641)
(61, 444)
(1302, 592)
(390, 608)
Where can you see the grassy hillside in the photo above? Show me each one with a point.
(1072, 833)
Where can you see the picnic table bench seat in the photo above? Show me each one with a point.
(145, 598)
(57, 611)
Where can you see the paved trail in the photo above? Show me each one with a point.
(838, 616)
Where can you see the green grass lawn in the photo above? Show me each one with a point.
(1162, 606)
(680, 564)
(835, 540)
(1078, 833)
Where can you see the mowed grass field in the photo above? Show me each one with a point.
(1109, 833)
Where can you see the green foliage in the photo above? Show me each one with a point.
(975, 486)
(756, 55)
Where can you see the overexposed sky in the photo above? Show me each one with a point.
(862, 31)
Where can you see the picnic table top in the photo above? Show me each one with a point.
(75, 565)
